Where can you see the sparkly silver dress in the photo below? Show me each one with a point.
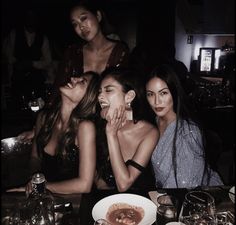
(189, 159)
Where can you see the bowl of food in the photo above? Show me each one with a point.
(125, 209)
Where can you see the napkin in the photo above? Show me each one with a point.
(154, 194)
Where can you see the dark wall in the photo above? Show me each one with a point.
(149, 22)
(156, 24)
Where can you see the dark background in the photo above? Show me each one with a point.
(134, 21)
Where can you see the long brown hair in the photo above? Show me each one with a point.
(85, 110)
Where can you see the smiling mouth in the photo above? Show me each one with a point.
(104, 105)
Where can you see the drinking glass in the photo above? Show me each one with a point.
(34, 105)
(198, 209)
(166, 209)
(101, 222)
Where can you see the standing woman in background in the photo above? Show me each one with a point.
(96, 52)
(179, 157)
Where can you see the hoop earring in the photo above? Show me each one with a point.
(129, 112)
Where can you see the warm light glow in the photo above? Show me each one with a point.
(10, 142)
(205, 64)
(217, 58)
(34, 108)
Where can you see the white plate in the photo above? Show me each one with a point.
(100, 209)
(232, 196)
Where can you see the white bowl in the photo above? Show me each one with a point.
(101, 208)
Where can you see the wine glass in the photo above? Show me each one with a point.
(34, 105)
(198, 209)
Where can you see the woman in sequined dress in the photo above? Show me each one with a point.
(64, 144)
(179, 158)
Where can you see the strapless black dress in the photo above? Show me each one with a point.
(60, 167)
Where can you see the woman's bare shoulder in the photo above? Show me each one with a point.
(149, 129)
(86, 124)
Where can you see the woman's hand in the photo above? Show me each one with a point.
(115, 121)
(18, 189)
(27, 189)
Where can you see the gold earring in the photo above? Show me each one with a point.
(129, 112)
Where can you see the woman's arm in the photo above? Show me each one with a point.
(126, 175)
(87, 163)
(35, 163)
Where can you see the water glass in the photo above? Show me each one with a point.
(167, 206)
(198, 209)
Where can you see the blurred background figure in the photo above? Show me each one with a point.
(28, 58)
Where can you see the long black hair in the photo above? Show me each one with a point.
(181, 106)
(128, 80)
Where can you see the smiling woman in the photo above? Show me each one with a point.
(64, 145)
(125, 140)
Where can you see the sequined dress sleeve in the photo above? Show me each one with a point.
(189, 159)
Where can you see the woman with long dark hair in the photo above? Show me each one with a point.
(125, 140)
(93, 51)
(179, 157)
(64, 144)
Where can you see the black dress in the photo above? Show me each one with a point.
(60, 167)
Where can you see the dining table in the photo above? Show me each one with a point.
(81, 205)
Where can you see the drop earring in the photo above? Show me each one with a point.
(129, 112)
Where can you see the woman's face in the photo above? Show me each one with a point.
(76, 88)
(85, 23)
(159, 97)
(111, 96)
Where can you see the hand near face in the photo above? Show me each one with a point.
(114, 122)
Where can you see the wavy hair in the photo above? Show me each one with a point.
(85, 110)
